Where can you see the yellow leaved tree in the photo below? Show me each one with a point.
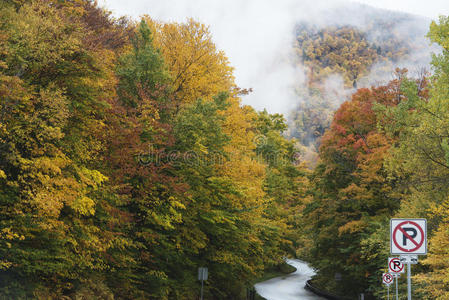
(197, 68)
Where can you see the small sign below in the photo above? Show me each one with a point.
(395, 266)
(409, 259)
(387, 278)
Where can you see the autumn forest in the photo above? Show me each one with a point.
(128, 159)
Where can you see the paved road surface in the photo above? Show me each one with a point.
(288, 287)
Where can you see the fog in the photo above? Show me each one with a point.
(258, 38)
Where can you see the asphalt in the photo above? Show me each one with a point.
(289, 287)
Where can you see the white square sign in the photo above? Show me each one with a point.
(387, 278)
(408, 236)
(395, 266)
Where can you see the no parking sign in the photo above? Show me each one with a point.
(395, 266)
(387, 278)
(408, 236)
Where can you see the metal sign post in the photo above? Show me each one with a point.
(202, 275)
(409, 281)
(397, 275)
(409, 260)
(202, 285)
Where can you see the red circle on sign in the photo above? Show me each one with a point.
(392, 269)
(418, 245)
(388, 278)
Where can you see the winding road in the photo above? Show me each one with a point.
(289, 287)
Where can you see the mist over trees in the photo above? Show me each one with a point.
(346, 48)
(127, 159)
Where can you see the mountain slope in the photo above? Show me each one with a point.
(360, 47)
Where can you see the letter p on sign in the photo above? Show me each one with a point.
(408, 236)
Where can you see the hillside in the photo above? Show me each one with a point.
(339, 57)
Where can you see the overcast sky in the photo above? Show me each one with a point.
(427, 8)
(257, 35)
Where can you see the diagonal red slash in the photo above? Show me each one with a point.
(408, 236)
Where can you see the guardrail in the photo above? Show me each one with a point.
(324, 294)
